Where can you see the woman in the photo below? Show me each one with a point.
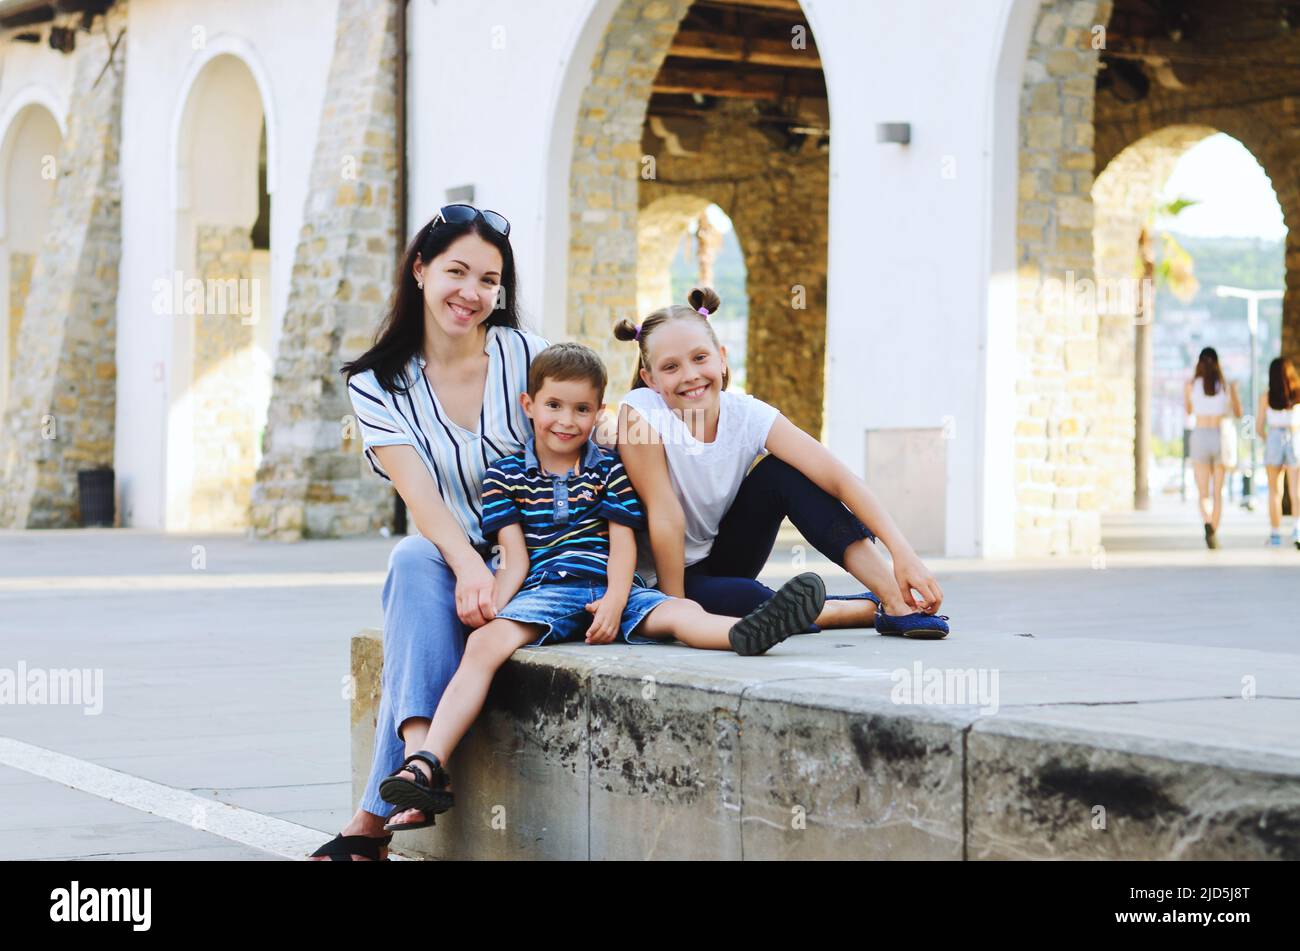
(1277, 422)
(689, 448)
(437, 398)
(1211, 400)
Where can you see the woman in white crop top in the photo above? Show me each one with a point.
(1211, 399)
(1277, 421)
(689, 447)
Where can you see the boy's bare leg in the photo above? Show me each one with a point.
(689, 623)
(486, 651)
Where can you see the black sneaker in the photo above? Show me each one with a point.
(1211, 539)
(792, 610)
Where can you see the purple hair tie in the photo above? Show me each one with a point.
(638, 332)
(702, 310)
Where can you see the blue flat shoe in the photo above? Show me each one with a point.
(921, 626)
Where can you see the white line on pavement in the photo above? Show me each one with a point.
(196, 581)
(277, 836)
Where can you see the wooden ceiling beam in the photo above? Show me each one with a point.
(737, 83)
(756, 6)
(698, 45)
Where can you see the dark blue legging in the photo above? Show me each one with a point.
(724, 582)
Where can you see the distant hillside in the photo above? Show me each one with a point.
(1240, 262)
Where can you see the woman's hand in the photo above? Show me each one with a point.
(474, 592)
(911, 574)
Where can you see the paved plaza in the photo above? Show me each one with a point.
(224, 665)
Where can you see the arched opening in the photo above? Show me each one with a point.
(218, 298)
(28, 173)
(684, 241)
(1101, 79)
(1125, 196)
(692, 104)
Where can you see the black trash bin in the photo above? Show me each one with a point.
(95, 493)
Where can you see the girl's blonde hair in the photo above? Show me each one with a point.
(704, 303)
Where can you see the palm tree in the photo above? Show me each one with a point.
(1175, 271)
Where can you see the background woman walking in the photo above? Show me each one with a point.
(1211, 399)
(1277, 422)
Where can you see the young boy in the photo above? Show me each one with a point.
(563, 512)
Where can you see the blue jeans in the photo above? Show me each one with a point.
(563, 609)
(724, 582)
(423, 643)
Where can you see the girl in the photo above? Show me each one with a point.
(688, 446)
(1276, 421)
(1211, 399)
(437, 397)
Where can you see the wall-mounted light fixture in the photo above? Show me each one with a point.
(899, 132)
(463, 194)
(63, 39)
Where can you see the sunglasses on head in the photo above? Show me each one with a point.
(459, 214)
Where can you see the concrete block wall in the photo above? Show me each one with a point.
(662, 753)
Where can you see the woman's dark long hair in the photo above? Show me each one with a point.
(1283, 384)
(401, 336)
(1208, 372)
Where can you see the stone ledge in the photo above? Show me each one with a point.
(666, 752)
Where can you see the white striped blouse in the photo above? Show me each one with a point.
(457, 457)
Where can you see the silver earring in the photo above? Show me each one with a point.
(420, 284)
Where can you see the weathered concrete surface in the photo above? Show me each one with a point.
(1039, 791)
(813, 752)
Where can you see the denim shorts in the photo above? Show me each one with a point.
(563, 609)
(1280, 448)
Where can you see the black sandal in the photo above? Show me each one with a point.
(341, 848)
(419, 793)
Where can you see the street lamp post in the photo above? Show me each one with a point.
(1252, 299)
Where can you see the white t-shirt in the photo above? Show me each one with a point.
(705, 476)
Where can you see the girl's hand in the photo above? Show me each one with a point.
(474, 589)
(608, 613)
(911, 573)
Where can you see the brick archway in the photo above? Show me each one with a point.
(221, 368)
(1125, 190)
(1071, 434)
(605, 174)
(773, 185)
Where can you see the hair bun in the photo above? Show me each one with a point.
(704, 299)
(625, 330)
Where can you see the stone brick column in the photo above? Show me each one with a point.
(222, 392)
(1056, 391)
(60, 415)
(20, 285)
(313, 480)
(606, 172)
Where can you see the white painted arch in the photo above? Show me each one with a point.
(212, 187)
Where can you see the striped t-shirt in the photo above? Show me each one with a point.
(565, 518)
(456, 457)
